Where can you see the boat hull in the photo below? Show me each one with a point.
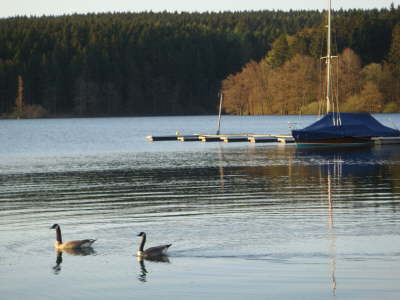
(354, 129)
(344, 141)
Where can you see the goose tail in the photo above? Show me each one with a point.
(87, 243)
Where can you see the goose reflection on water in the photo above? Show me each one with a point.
(71, 251)
(142, 277)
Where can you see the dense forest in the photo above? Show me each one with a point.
(176, 63)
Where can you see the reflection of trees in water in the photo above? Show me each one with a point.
(75, 252)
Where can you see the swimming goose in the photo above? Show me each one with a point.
(150, 252)
(71, 244)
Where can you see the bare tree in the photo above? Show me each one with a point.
(349, 74)
(19, 101)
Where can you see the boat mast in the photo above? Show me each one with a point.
(328, 63)
(221, 96)
(330, 105)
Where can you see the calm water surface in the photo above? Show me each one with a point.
(264, 221)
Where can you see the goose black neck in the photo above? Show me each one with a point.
(142, 243)
(58, 233)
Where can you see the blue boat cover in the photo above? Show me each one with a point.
(359, 125)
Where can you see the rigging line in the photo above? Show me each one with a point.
(321, 89)
(322, 103)
(337, 90)
(338, 74)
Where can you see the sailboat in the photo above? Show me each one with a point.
(337, 128)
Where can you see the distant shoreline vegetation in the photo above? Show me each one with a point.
(265, 62)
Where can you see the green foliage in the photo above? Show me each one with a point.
(279, 53)
(373, 73)
(369, 100)
(394, 53)
(353, 104)
(391, 107)
(312, 108)
(372, 98)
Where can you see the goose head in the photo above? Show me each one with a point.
(141, 234)
(55, 226)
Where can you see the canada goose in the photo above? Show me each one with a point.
(71, 244)
(150, 252)
(82, 251)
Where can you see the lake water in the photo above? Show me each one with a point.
(264, 221)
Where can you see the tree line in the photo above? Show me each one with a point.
(168, 63)
(290, 79)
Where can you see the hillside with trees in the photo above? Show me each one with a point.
(176, 63)
(289, 79)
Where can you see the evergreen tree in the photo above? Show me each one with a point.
(279, 52)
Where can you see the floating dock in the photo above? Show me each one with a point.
(210, 138)
(262, 139)
(286, 139)
(153, 138)
(387, 140)
(227, 138)
(188, 138)
(234, 138)
(252, 138)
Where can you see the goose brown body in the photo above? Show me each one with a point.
(152, 252)
(75, 244)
